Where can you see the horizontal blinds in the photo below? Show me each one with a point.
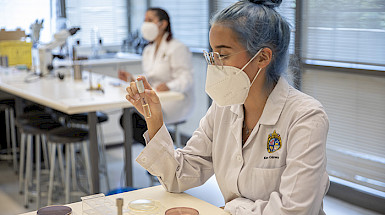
(109, 17)
(286, 9)
(350, 31)
(189, 20)
(137, 13)
(355, 105)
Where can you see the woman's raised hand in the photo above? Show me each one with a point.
(155, 122)
(125, 76)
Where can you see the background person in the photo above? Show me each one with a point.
(167, 63)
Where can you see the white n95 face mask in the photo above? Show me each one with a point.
(149, 31)
(230, 85)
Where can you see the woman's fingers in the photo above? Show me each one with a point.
(134, 91)
(145, 82)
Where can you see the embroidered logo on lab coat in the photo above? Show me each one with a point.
(273, 142)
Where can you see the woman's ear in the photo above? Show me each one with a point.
(163, 24)
(264, 58)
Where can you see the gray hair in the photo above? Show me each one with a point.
(258, 25)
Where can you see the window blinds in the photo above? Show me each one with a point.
(349, 31)
(189, 20)
(355, 104)
(137, 13)
(109, 17)
(286, 9)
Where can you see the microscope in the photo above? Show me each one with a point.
(45, 55)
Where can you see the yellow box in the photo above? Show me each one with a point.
(18, 52)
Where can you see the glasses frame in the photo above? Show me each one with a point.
(214, 58)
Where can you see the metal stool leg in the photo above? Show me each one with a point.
(38, 160)
(28, 172)
(73, 166)
(102, 149)
(87, 162)
(7, 133)
(67, 176)
(51, 173)
(13, 138)
(61, 164)
(22, 161)
(45, 151)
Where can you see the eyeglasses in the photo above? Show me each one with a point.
(214, 58)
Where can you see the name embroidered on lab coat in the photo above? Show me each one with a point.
(273, 142)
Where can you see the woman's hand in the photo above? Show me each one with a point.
(155, 122)
(125, 76)
(162, 87)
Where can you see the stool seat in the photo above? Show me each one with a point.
(34, 117)
(67, 135)
(39, 127)
(8, 102)
(34, 107)
(82, 118)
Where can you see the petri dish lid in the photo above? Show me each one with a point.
(142, 205)
(182, 211)
(55, 210)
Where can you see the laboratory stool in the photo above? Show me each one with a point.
(7, 105)
(81, 120)
(68, 137)
(38, 127)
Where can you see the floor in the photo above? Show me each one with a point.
(12, 203)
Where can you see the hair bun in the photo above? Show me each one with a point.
(267, 3)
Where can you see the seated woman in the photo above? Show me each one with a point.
(263, 139)
(167, 63)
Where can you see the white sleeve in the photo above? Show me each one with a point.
(304, 181)
(181, 69)
(181, 169)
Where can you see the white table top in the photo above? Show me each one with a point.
(119, 58)
(166, 199)
(68, 95)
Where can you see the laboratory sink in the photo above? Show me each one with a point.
(103, 56)
(120, 55)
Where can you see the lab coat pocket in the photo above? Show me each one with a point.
(266, 181)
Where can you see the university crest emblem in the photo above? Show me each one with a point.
(273, 142)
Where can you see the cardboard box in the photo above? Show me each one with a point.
(11, 35)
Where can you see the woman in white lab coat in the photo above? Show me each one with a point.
(167, 64)
(264, 140)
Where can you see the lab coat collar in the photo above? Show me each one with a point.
(164, 39)
(152, 57)
(237, 122)
(274, 104)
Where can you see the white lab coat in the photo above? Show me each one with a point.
(171, 64)
(290, 180)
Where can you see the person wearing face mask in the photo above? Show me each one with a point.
(263, 139)
(167, 63)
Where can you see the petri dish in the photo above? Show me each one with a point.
(55, 210)
(143, 206)
(182, 211)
